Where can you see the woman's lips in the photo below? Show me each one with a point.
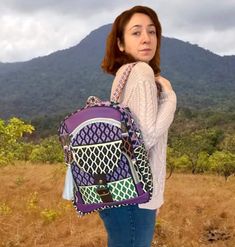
(145, 50)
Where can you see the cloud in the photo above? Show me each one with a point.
(205, 15)
(24, 37)
(80, 8)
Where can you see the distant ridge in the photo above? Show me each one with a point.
(60, 82)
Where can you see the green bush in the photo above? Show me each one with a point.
(11, 139)
(223, 162)
(48, 151)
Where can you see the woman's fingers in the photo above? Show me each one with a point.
(166, 85)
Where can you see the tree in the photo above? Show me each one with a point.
(198, 141)
(223, 162)
(48, 151)
(228, 143)
(170, 160)
(176, 161)
(11, 138)
(202, 164)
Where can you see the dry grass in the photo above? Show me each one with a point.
(198, 211)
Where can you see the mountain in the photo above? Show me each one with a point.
(60, 82)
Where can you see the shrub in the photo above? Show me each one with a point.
(4, 209)
(48, 151)
(49, 215)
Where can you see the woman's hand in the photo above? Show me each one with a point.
(165, 84)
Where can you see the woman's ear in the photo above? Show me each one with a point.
(120, 46)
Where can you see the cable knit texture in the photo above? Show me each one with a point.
(154, 116)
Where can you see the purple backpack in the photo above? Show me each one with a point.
(106, 153)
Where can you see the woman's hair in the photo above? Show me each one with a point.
(114, 58)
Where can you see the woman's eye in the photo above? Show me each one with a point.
(136, 33)
(152, 32)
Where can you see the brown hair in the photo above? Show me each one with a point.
(114, 58)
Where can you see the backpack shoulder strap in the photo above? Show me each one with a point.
(122, 82)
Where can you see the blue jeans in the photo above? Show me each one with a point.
(129, 226)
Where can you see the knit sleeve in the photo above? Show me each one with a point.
(153, 117)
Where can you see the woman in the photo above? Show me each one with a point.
(136, 37)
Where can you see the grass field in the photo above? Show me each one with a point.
(199, 210)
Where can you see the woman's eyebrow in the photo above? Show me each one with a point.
(138, 26)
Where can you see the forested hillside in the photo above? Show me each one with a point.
(60, 82)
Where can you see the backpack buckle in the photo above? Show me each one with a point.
(102, 188)
(104, 194)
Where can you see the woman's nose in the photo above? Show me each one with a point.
(145, 37)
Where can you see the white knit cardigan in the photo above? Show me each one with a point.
(154, 116)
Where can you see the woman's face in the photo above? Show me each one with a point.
(140, 39)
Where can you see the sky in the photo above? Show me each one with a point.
(31, 28)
